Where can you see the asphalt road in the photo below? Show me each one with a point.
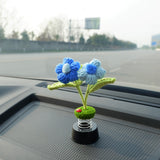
(132, 67)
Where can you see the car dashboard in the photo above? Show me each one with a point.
(36, 123)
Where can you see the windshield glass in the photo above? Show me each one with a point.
(124, 35)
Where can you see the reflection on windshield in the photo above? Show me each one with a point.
(126, 38)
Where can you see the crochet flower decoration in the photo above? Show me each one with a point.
(70, 74)
(91, 72)
(67, 72)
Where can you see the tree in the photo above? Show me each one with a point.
(98, 40)
(72, 39)
(2, 34)
(14, 35)
(8, 20)
(57, 29)
(44, 36)
(105, 41)
(81, 39)
(123, 44)
(2, 13)
(31, 35)
(56, 37)
(115, 41)
(53, 31)
(2, 19)
(25, 35)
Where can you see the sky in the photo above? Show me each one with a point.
(133, 20)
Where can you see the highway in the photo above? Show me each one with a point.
(132, 66)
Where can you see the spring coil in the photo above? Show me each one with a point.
(85, 124)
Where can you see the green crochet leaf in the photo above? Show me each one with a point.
(60, 85)
(100, 83)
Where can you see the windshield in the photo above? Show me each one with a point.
(124, 35)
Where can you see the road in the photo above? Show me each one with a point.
(132, 67)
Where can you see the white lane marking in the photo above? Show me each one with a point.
(115, 70)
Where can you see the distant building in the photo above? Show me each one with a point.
(155, 41)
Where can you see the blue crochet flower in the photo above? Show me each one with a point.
(91, 72)
(67, 71)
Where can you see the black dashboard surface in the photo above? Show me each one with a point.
(36, 123)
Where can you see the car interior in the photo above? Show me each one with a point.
(36, 123)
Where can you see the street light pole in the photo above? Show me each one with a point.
(70, 21)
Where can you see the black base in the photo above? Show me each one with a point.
(85, 136)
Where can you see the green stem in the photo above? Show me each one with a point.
(86, 97)
(80, 93)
